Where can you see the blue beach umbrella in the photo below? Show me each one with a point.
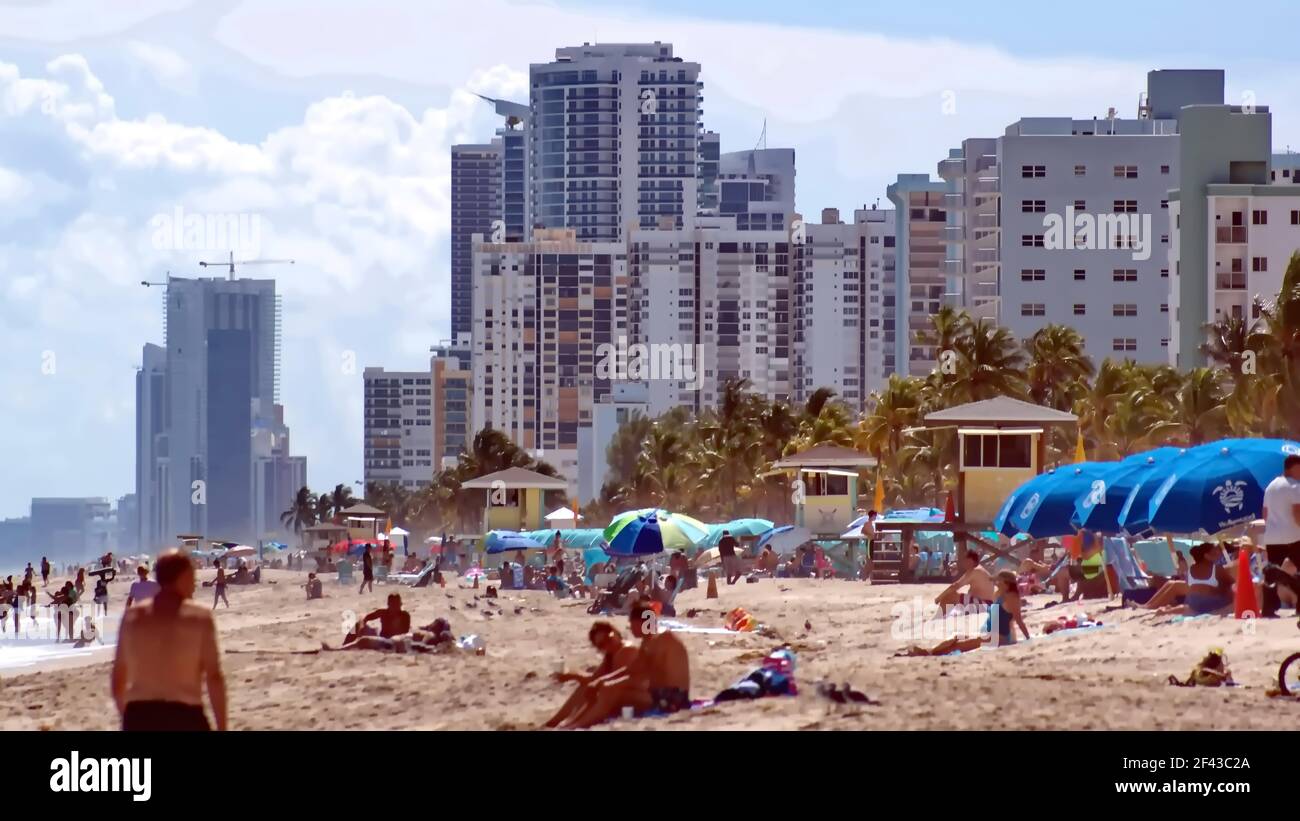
(1132, 517)
(1098, 507)
(1212, 489)
(1047, 508)
(507, 541)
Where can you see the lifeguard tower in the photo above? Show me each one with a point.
(1002, 443)
(827, 498)
(514, 498)
(362, 522)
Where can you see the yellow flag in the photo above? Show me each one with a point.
(1079, 454)
(878, 500)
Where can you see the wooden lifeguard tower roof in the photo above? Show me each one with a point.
(361, 510)
(518, 478)
(826, 455)
(999, 412)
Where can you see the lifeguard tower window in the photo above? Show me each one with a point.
(509, 499)
(997, 450)
(825, 484)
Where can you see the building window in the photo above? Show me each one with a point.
(1080, 274)
(1033, 206)
(1258, 217)
(1125, 207)
(1124, 344)
(1080, 170)
(1259, 263)
(1164, 169)
(1295, 217)
(1080, 205)
(1031, 240)
(1028, 171)
(1080, 309)
(1164, 273)
(1032, 275)
(1124, 309)
(1164, 307)
(1164, 203)
(1006, 450)
(1032, 309)
(1125, 275)
(1126, 172)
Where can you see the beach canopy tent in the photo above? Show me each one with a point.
(507, 541)
(563, 514)
(571, 538)
(784, 540)
(740, 528)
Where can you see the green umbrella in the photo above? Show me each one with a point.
(678, 530)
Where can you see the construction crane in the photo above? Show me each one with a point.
(232, 262)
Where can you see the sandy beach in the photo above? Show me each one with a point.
(1111, 677)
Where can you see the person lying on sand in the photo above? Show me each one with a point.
(998, 629)
(615, 659)
(980, 589)
(658, 679)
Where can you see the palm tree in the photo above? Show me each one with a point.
(341, 498)
(301, 512)
(991, 364)
(1200, 412)
(1059, 369)
(324, 507)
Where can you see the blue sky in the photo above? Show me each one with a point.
(331, 122)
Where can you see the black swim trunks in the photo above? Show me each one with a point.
(669, 699)
(154, 716)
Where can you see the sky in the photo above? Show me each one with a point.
(327, 125)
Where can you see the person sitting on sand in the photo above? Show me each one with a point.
(658, 680)
(555, 583)
(980, 589)
(314, 588)
(393, 621)
(615, 659)
(767, 561)
(1209, 584)
(998, 629)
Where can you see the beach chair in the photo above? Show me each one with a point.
(381, 573)
(344, 569)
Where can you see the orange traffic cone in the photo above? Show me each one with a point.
(712, 592)
(1247, 605)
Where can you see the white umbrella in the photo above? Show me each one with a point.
(239, 551)
(433, 540)
(562, 514)
(398, 531)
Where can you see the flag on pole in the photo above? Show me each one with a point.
(1079, 454)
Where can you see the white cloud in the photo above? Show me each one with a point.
(169, 69)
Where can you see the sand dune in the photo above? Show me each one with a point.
(1107, 678)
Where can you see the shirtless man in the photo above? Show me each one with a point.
(981, 588)
(166, 651)
(615, 658)
(393, 621)
(658, 679)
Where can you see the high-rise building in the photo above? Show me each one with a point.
(543, 312)
(757, 188)
(614, 139)
(73, 529)
(453, 388)
(706, 194)
(399, 423)
(127, 537)
(715, 300)
(842, 274)
(973, 234)
(919, 281)
(1085, 227)
(15, 544)
(210, 412)
(476, 194)
(1235, 217)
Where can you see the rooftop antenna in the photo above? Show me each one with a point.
(232, 262)
(762, 137)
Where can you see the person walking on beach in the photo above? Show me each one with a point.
(45, 572)
(218, 586)
(730, 563)
(166, 652)
(1282, 514)
(28, 574)
(869, 534)
(101, 596)
(367, 572)
(143, 588)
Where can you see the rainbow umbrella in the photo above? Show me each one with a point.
(642, 532)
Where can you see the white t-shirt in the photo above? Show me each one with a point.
(143, 590)
(1280, 525)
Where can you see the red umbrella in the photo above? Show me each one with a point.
(357, 546)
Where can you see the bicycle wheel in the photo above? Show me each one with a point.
(1288, 675)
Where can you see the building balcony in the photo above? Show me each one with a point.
(1230, 235)
(1230, 282)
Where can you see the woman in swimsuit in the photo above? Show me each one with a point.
(1003, 616)
(1209, 584)
(219, 586)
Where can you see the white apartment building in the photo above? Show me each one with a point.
(546, 312)
(842, 276)
(614, 139)
(399, 425)
(973, 234)
(717, 297)
(920, 284)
